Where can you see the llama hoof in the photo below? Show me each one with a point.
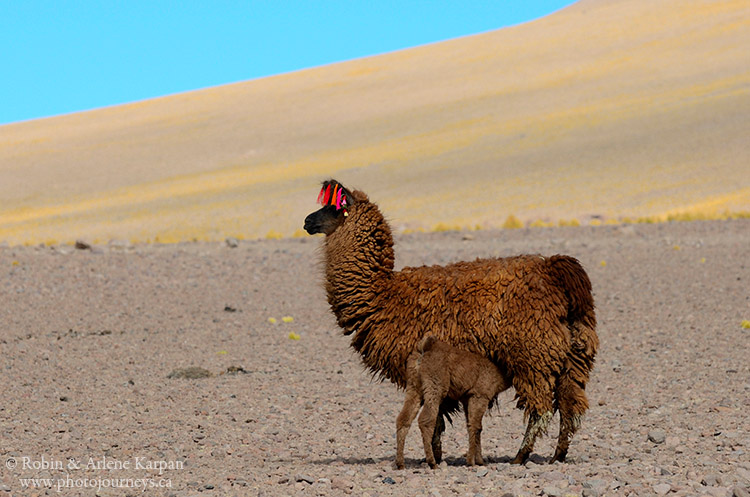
(558, 457)
(519, 459)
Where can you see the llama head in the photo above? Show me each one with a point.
(336, 201)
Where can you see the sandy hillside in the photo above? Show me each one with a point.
(613, 109)
(89, 339)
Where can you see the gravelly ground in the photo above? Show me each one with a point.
(88, 339)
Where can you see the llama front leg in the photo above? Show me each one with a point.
(536, 426)
(404, 421)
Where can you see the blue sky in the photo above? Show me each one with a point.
(62, 56)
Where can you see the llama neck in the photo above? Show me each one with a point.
(359, 265)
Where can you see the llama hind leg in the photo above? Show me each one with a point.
(428, 420)
(569, 424)
(537, 425)
(572, 403)
(477, 406)
(437, 438)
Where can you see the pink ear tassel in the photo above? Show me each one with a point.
(338, 199)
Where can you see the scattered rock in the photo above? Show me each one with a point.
(82, 245)
(229, 308)
(236, 370)
(389, 481)
(711, 480)
(657, 436)
(232, 242)
(738, 491)
(552, 491)
(718, 491)
(481, 472)
(191, 373)
(662, 488)
(304, 478)
(552, 475)
(342, 484)
(672, 441)
(595, 483)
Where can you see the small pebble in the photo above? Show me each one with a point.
(711, 480)
(657, 436)
(662, 488)
(552, 491)
(305, 478)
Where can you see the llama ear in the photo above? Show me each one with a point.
(334, 194)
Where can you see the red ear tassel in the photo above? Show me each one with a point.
(338, 199)
(333, 195)
(320, 195)
(327, 195)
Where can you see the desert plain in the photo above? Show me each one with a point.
(94, 340)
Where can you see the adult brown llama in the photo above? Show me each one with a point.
(437, 371)
(532, 316)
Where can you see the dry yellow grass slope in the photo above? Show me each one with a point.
(611, 109)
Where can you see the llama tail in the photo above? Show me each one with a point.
(426, 344)
(570, 276)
